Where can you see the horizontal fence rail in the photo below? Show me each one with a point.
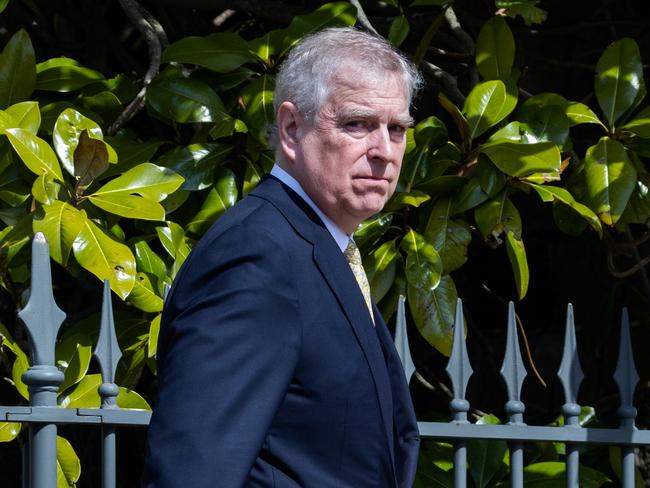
(42, 319)
(459, 430)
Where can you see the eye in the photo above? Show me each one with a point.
(397, 130)
(356, 125)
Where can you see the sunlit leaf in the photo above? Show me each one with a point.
(519, 262)
(185, 100)
(516, 159)
(64, 75)
(370, 230)
(258, 101)
(381, 266)
(448, 236)
(26, 115)
(37, 155)
(9, 431)
(154, 332)
(73, 354)
(221, 197)
(552, 474)
(640, 125)
(498, 216)
(144, 296)
(423, 264)
(148, 261)
(61, 223)
(68, 466)
(486, 105)
(196, 163)
(17, 69)
(495, 49)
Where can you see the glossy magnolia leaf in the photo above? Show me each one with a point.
(610, 178)
(148, 261)
(73, 353)
(554, 193)
(619, 79)
(334, 14)
(548, 124)
(86, 395)
(221, 52)
(26, 115)
(423, 263)
(640, 125)
(498, 216)
(434, 311)
(68, 466)
(21, 363)
(172, 237)
(526, 9)
(486, 105)
(399, 29)
(98, 252)
(414, 198)
(221, 197)
(381, 266)
(154, 332)
(579, 113)
(495, 49)
(442, 185)
(9, 431)
(430, 132)
(13, 189)
(64, 75)
(449, 237)
(143, 295)
(37, 155)
(90, 160)
(252, 177)
(135, 193)
(3, 5)
(268, 45)
(15, 237)
(552, 474)
(196, 163)
(185, 100)
(516, 159)
(485, 457)
(519, 262)
(17, 69)
(371, 230)
(67, 131)
(61, 223)
(131, 152)
(459, 119)
(490, 179)
(258, 101)
(470, 196)
(105, 103)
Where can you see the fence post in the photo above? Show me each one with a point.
(513, 372)
(459, 370)
(570, 374)
(42, 319)
(108, 355)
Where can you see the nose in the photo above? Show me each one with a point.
(379, 145)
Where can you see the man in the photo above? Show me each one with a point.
(273, 370)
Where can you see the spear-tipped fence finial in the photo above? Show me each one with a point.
(459, 368)
(402, 340)
(570, 372)
(626, 376)
(513, 370)
(108, 351)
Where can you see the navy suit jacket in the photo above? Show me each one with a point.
(271, 373)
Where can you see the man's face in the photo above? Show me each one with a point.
(348, 160)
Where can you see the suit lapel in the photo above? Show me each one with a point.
(337, 273)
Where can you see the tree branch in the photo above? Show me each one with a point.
(447, 82)
(465, 40)
(362, 17)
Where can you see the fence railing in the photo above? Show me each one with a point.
(42, 318)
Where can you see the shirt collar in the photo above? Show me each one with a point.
(337, 233)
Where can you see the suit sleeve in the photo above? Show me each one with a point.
(229, 346)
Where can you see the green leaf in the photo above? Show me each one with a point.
(221, 197)
(221, 52)
(252, 177)
(86, 395)
(73, 354)
(459, 119)
(13, 189)
(526, 9)
(268, 45)
(17, 69)
(371, 230)
(433, 312)
(553, 475)
(495, 49)
(449, 237)
(196, 163)
(258, 101)
(68, 466)
(490, 179)
(131, 399)
(148, 261)
(640, 125)
(15, 237)
(154, 332)
(548, 124)
(21, 364)
(381, 266)
(554, 193)
(423, 264)
(399, 29)
(64, 75)
(9, 431)
(135, 193)
(498, 216)
(185, 100)
(3, 5)
(61, 223)
(334, 14)
(610, 178)
(579, 113)
(106, 258)
(486, 105)
(485, 457)
(172, 237)
(37, 155)
(519, 262)
(131, 152)
(516, 159)
(414, 198)
(26, 116)
(471, 196)
(619, 79)
(90, 160)
(143, 295)
(67, 132)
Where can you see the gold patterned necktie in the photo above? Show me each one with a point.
(353, 257)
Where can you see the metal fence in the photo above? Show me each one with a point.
(42, 319)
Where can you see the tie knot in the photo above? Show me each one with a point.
(352, 253)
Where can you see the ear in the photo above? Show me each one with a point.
(288, 122)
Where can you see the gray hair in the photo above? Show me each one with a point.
(305, 76)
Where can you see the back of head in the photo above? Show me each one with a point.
(305, 76)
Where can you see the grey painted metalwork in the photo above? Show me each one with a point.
(570, 374)
(42, 319)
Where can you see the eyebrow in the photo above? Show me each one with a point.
(363, 113)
